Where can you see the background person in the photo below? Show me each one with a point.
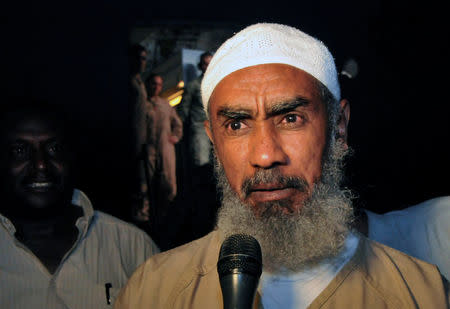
(57, 251)
(140, 116)
(193, 115)
(165, 129)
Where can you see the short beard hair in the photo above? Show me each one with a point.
(292, 241)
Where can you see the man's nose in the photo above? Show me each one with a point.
(40, 160)
(266, 149)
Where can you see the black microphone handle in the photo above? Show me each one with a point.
(236, 289)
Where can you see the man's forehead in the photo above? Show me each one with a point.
(271, 108)
(273, 83)
(32, 129)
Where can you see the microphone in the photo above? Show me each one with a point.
(239, 269)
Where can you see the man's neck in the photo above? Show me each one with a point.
(55, 220)
(49, 238)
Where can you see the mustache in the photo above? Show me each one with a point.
(47, 177)
(273, 176)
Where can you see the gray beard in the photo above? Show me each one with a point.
(291, 242)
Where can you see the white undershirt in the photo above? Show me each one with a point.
(299, 290)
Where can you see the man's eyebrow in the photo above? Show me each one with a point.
(286, 106)
(17, 139)
(26, 138)
(232, 113)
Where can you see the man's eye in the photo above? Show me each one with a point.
(235, 125)
(54, 149)
(19, 151)
(291, 118)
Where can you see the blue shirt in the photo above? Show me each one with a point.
(422, 231)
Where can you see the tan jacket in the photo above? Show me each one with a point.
(376, 277)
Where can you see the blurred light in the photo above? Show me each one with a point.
(180, 84)
(175, 98)
(175, 101)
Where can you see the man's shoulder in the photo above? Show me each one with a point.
(378, 257)
(406, 228)
(170, 272)
(106, 220)
(125, 236)
(102, 220)
(432, 209)
(199, 255)
(109, 222)
(420, 230)
(394, 277)
(432, 212)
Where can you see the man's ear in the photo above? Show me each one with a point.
(343, 119)
(207, 125)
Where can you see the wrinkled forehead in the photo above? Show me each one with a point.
(272, 83)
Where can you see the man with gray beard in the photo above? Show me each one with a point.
(279, 131)
(291, 242)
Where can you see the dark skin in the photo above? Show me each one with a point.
(37, 186)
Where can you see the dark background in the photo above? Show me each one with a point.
(76, 55)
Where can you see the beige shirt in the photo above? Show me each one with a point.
(375, 277)
(107, 250)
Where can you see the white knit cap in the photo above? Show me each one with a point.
(271, 43)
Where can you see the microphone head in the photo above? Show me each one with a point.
(240, 253)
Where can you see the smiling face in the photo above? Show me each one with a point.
(269, 128)
(35, 165)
